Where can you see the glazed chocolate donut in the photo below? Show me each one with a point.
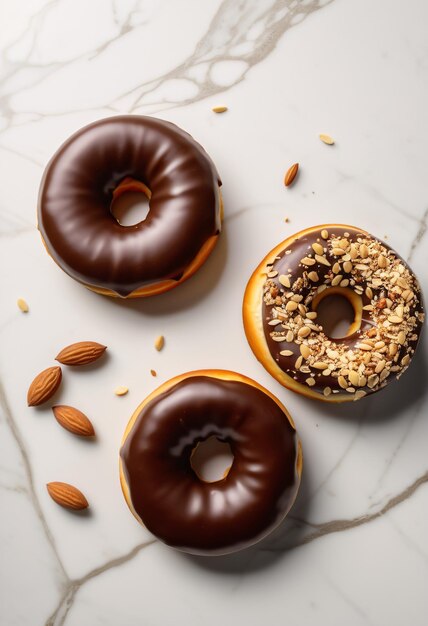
(112, 156)
(164, 492)
(280, 313)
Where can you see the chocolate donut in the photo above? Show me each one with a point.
(112, 156)
(280, 313)
(164, 492)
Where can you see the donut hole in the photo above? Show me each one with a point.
(131, 202)
(338, 312)
(211, 459)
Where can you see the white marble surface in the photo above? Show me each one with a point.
(355, 549)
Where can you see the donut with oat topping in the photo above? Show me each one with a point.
(281, 317)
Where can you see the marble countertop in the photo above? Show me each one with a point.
(354, 549)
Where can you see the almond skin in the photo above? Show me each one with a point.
(67, 496)
(81, 353)
(73, 420)
(290, 174)
(44, 386)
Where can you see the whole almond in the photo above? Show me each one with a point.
(290, 174)
(67, 496)
(73, 420)
(44, 386)
(81, 353)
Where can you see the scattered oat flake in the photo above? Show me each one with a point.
(159, 342)
(219, 109)
(287, 219)
(121, 391)
(327, 139)
(22, 305)
(153, 372)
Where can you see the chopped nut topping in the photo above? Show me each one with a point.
(338, 251)
(305, 351)
(317, 248)
(284, 280)
(391, 303)
(322, 260)
(364, 251)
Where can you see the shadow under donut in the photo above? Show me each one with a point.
(189, 293)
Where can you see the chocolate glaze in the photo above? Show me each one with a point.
(299, 249)
(76, 192)
(227, 515)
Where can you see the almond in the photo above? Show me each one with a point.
(73, 420)
(44, 386)
(67, 496)
(290, 174)
(81, 353)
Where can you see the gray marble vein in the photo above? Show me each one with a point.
(13, 488)
(409, 543)
(390, 461)
(32, 494)
(226, 34)
(228, 30)
(356, 608)
(22, 155)
(11, 225)
(419, 235)
(68, 585)
(341, 525)
(59, 615)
